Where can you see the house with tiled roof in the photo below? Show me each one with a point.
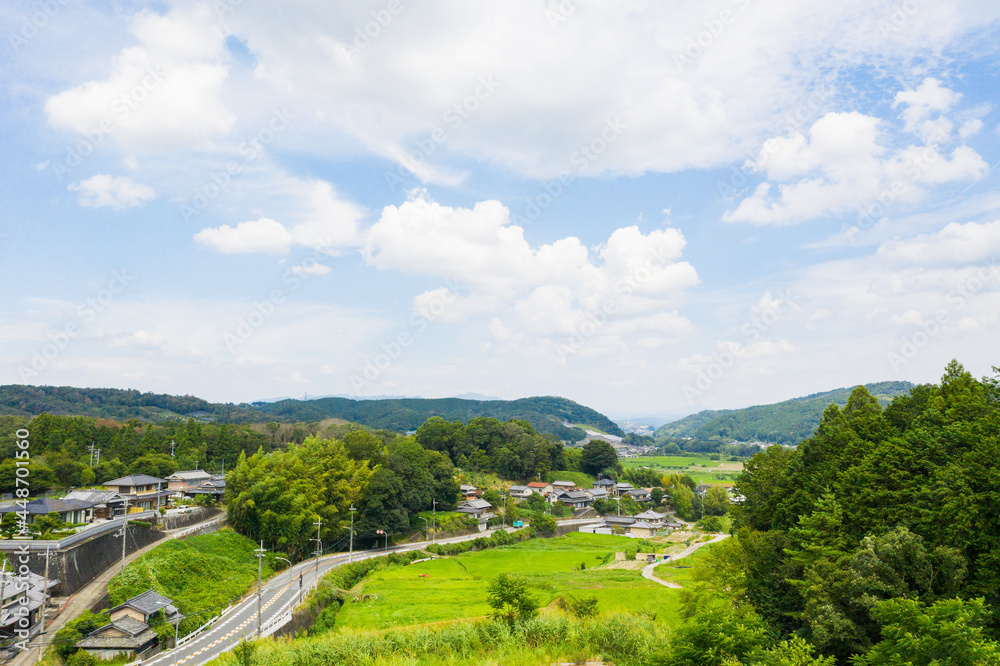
(125, 636)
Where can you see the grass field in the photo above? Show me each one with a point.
(702, 469)
(454, 588)
(680, 572)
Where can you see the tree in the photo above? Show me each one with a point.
(508, 596)
(948, 632)
(544, 524)
(597, 456)
(716, 501)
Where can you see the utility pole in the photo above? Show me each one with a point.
(45, 603)
(124, 532)
(3, 580)
(91, 454)
(172, 445)
(319, 544)
(434, 529)
(260, 558)
(98, 457)
(350, 555)
(503, 522)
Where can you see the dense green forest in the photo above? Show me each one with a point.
(546, 414)
(876, 541)
(787, 422)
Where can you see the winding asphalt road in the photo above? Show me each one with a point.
(280, 593)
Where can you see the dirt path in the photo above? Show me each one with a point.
(647, 571)
(86, 597)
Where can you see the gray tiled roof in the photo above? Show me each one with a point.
(148, 603)
(137, 634)
(135, 480)
(44, 505)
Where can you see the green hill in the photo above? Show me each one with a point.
(787, 422)
(546, 414)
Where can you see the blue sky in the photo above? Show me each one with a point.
(650, 208)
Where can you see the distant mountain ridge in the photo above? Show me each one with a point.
(787, 422)
(545, 413)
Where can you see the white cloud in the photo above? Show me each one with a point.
(955, 244)
(263, 235)
(117, 192)
(164, 94)
(546, 292)
(845, 163)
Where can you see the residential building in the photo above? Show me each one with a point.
(540, 487)
(620, 489)
(129, 632)
(641, 528)
(178, 482)
(520, 492)
(652, 517)
(469, 492)
(215, 488)
(640, 495)
(69, 510)
(578, 499)
(106, 503)
(124, 636)
(563, 485)
(18, 601)
(606, 485)
(142, 491)
(477, 508)
(599, 493)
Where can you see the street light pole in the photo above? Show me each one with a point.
(503, 519)
(350, 556)
(319, 544)
(434, 519)
(260, 559)
(124, 532)
(426, 525)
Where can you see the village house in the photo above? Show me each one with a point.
(215, 488)
(468, 492)
(563, 485)
(520, 492)
(641, 528)
(18, 601)
(142, 491)
(129, 632)
(68, 510)
(607, 485)
(621, 489)
(106, 504)
(578, 499)
(652, 517)
(540, 487)
(640, 495)
(178, 482)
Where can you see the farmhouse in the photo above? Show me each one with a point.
(141, 490)
(178, 482)
(540, 487)
(129, 632)
(520, 492)
(577, 499)
(69, 511)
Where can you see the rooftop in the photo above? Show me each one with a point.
(45, 505)
(135, 480)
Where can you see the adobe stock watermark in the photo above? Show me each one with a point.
(87, 312)
(453, 118)
(752, 330)
(901, 14)
(879, 206)
(121, 109)
(32, 25)
(429, 312)
(218, 182)
(624, 289)
(714, 28)
(372, 30)
(791, 123)
(581, 159)
(293, 278)
(557, 13)
(911, 345)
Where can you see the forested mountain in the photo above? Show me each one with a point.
(877, 539)
(787, 422)
(546, 414)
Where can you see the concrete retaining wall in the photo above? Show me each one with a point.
(78, 564)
